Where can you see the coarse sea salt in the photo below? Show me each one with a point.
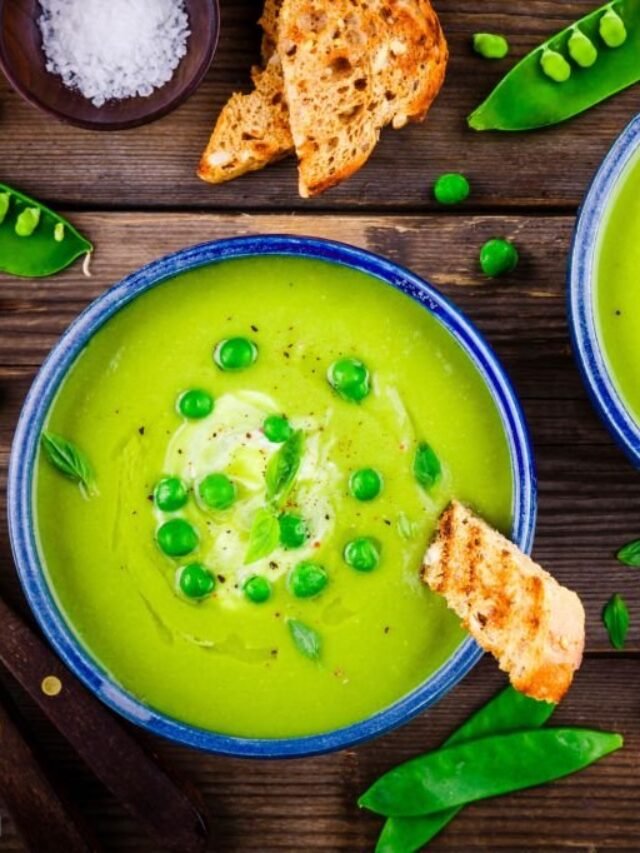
(113, 49)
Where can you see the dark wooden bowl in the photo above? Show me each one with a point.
(23, 62)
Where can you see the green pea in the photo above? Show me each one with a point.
(612, 29)
(177, 538)
(555, 66)
(362, 554)
(235, 354)
(217, 491)
(308, 579)
(293, 531)
(170, 494)
(581, 49)
(257, 589)
(451, 188)
(5, 204)
(365, 484)
(195, 404)
(58, 232)
(196, 581)
(498, 257)
(27, 221)
(350, 378)
(277, 428)
(490, 46)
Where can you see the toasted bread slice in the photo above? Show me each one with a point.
(350, 68)
(253, 129)
(510, 605)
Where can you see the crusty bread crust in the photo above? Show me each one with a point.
(510, 605)
(350, 68)
(252, 129)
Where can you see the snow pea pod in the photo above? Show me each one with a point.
(485, 768)
(34, 241)
(526, 98)
(509, 711)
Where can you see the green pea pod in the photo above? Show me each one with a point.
(34, 241)
(509, 711)
(526, 98)
(484, 768)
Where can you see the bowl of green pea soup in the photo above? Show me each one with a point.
(224, 480)
(604, 296)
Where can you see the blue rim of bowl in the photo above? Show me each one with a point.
(581, 294)
(25, 445)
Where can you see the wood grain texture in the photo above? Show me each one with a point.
(309, 804)
(155, 165)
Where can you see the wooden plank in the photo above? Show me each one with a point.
(588, 492)
(310, 804)
(154, 166)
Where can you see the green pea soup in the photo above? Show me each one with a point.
(261, 647)
(617, 288)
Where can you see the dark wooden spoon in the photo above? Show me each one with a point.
(167, 810)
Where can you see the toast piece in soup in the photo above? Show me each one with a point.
(513, 608)
(350, 68)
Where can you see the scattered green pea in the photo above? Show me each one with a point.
(27, 221)
(235, 354)
(498, 257)
(612, 29)
(490, 46)
(5, 204)
(362, 554)
(555, 66)
(350, 378)
(365, 484)
(308, 579)
(170, 494)
(293, 531)
(277, 428)
(195, 404)
(196, 581)
(451, 188)
(58, 232)
(177, 538)
(581, 49)
(257, 589)
(217, 491)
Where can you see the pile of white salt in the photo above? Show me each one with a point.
(113, 49)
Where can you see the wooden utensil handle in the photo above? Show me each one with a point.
(116, 758)
(46, 823)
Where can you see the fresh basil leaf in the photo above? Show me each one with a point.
(305, 638)
(426, 466)
(616, 619)
(264, 536)
(69, 460)
(629, 555)
(283, 467)
(406, 527)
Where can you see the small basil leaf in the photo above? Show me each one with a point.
(426, 466)
(616, 619)
(305, 638)
(629, 555)
(69, 460)
(283, 467)
(264, 536)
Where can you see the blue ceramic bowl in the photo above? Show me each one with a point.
(581, 294)
(25, 447)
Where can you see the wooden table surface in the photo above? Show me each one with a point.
(136, 196)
